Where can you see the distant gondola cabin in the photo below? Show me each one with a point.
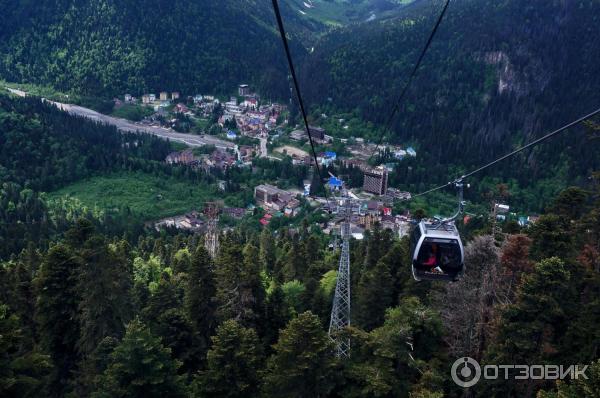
(437, 252)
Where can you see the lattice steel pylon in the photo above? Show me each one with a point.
(340, 312)
(211, 239)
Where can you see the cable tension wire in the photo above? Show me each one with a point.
(297, 87)
(390, 119)
(516, 151)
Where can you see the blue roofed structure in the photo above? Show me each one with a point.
(335, 183)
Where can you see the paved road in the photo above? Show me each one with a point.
(20, 93)
(263, 147)
(127, 126)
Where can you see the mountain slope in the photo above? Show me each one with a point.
(344, 12)
(108, 47)
(497, 74)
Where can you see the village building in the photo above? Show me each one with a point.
(376, 181)
(246, 152)
(234, 212)
(317, 132)
(393, 193)
(327, 158)
(271, 198)
(164, 96)
(298, 135)
(220, 160)
(175, 95)
(244, 90)
(250, 103)
(184, 157)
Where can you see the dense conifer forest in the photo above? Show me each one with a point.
(96, 315)
(104, 308)
(98, 303)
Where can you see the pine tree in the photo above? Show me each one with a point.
(531, 329)
(140, 366)
(295, 263)
(57, 311)
(178, 334)
(396, 357)
(22, 372)
(303, 363)
(277, 315)
(240, 293)
(254, 300)
(588, 387)
(199, 293)
(23, 297)
(570, 203)
(104, 284)
(374, 295)
(552, 237)
(267, 250)
(167, 296)
(234, 363)
(515, 261)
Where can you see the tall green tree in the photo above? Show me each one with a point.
(552, 237)
(199, 296)
(532, 328)
(399, 358)
(234, 363)
(104, 284)
(276, 315)
(374, 294)
(267, 250)
(588, 387)
(57, 311)
(303, 364)
(140, 366)
(240, 294)
(23, 372)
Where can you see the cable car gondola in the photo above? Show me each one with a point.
(437, 251)
(436, 248)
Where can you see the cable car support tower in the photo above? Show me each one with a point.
(340, 312)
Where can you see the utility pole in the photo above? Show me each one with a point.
(340, 313)
(211, 239)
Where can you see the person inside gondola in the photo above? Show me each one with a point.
(431, 257)
(431, 261)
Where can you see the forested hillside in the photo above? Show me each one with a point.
(497, 75)
(94, 302)
(42, 149)
(95, 315)
(109, 47)
(344, 12)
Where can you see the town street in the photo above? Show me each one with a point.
(263, 147)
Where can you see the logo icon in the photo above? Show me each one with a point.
(466, 372)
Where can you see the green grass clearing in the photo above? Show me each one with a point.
(146, 195)
(133, 112)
